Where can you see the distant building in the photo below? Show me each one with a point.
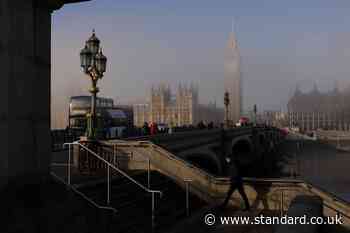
(316, 110)
(141, 114)
(178, 110)
(232, 79)
(210, 113)
(273, 118)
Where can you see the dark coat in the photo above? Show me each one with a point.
(234, 172)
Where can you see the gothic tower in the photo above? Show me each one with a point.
(232, 79)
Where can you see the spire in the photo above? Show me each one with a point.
(179, 89)
(159, 90)
(162, 86)
(232, 42)
(315, 88)
(297, 90)
(192, 87)
(336, 87)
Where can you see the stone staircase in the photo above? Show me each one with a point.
(134, 205)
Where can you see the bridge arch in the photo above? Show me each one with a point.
(262, 139)
(242, 147)
(204, 160)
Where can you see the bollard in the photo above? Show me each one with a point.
(281, 204)
(149, 174)
(108, 185)
(115, 155)
(153, 214)
(69, 158)
(187, 197)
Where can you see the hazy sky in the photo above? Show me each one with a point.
(148, 41)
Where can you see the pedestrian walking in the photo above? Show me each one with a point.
(236, 182)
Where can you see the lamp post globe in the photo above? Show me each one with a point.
(93, 43)
(101, 62)
(85, 59)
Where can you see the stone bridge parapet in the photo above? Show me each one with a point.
(209, 148)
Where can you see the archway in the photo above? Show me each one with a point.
(207, 162)
(242, 149)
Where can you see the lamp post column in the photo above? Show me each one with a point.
(226, 102)
(255, 114)
(93, 119)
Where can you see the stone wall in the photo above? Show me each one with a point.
(25, 58)
(25, 90)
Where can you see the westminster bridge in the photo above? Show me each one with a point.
(206, 148)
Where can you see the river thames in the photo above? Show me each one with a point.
(321, 165)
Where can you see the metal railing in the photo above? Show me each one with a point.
(109, 166)
(130, 156)
(133, 154)
(83, 195)
(187, 184)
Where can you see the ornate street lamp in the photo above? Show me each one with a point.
(93, 63)
(255, 114)
(227, 103)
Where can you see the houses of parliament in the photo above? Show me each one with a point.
(316, 110)
(181, 109)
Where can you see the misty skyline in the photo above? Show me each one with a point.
(281, 43)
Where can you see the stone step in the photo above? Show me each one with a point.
(134, 204)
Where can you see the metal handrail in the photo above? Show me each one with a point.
(153, 192)
(186, 180)
(61, 164)
(83, 195)
(115, 168)
(131, 156)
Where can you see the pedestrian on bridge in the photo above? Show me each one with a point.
(236, 182)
